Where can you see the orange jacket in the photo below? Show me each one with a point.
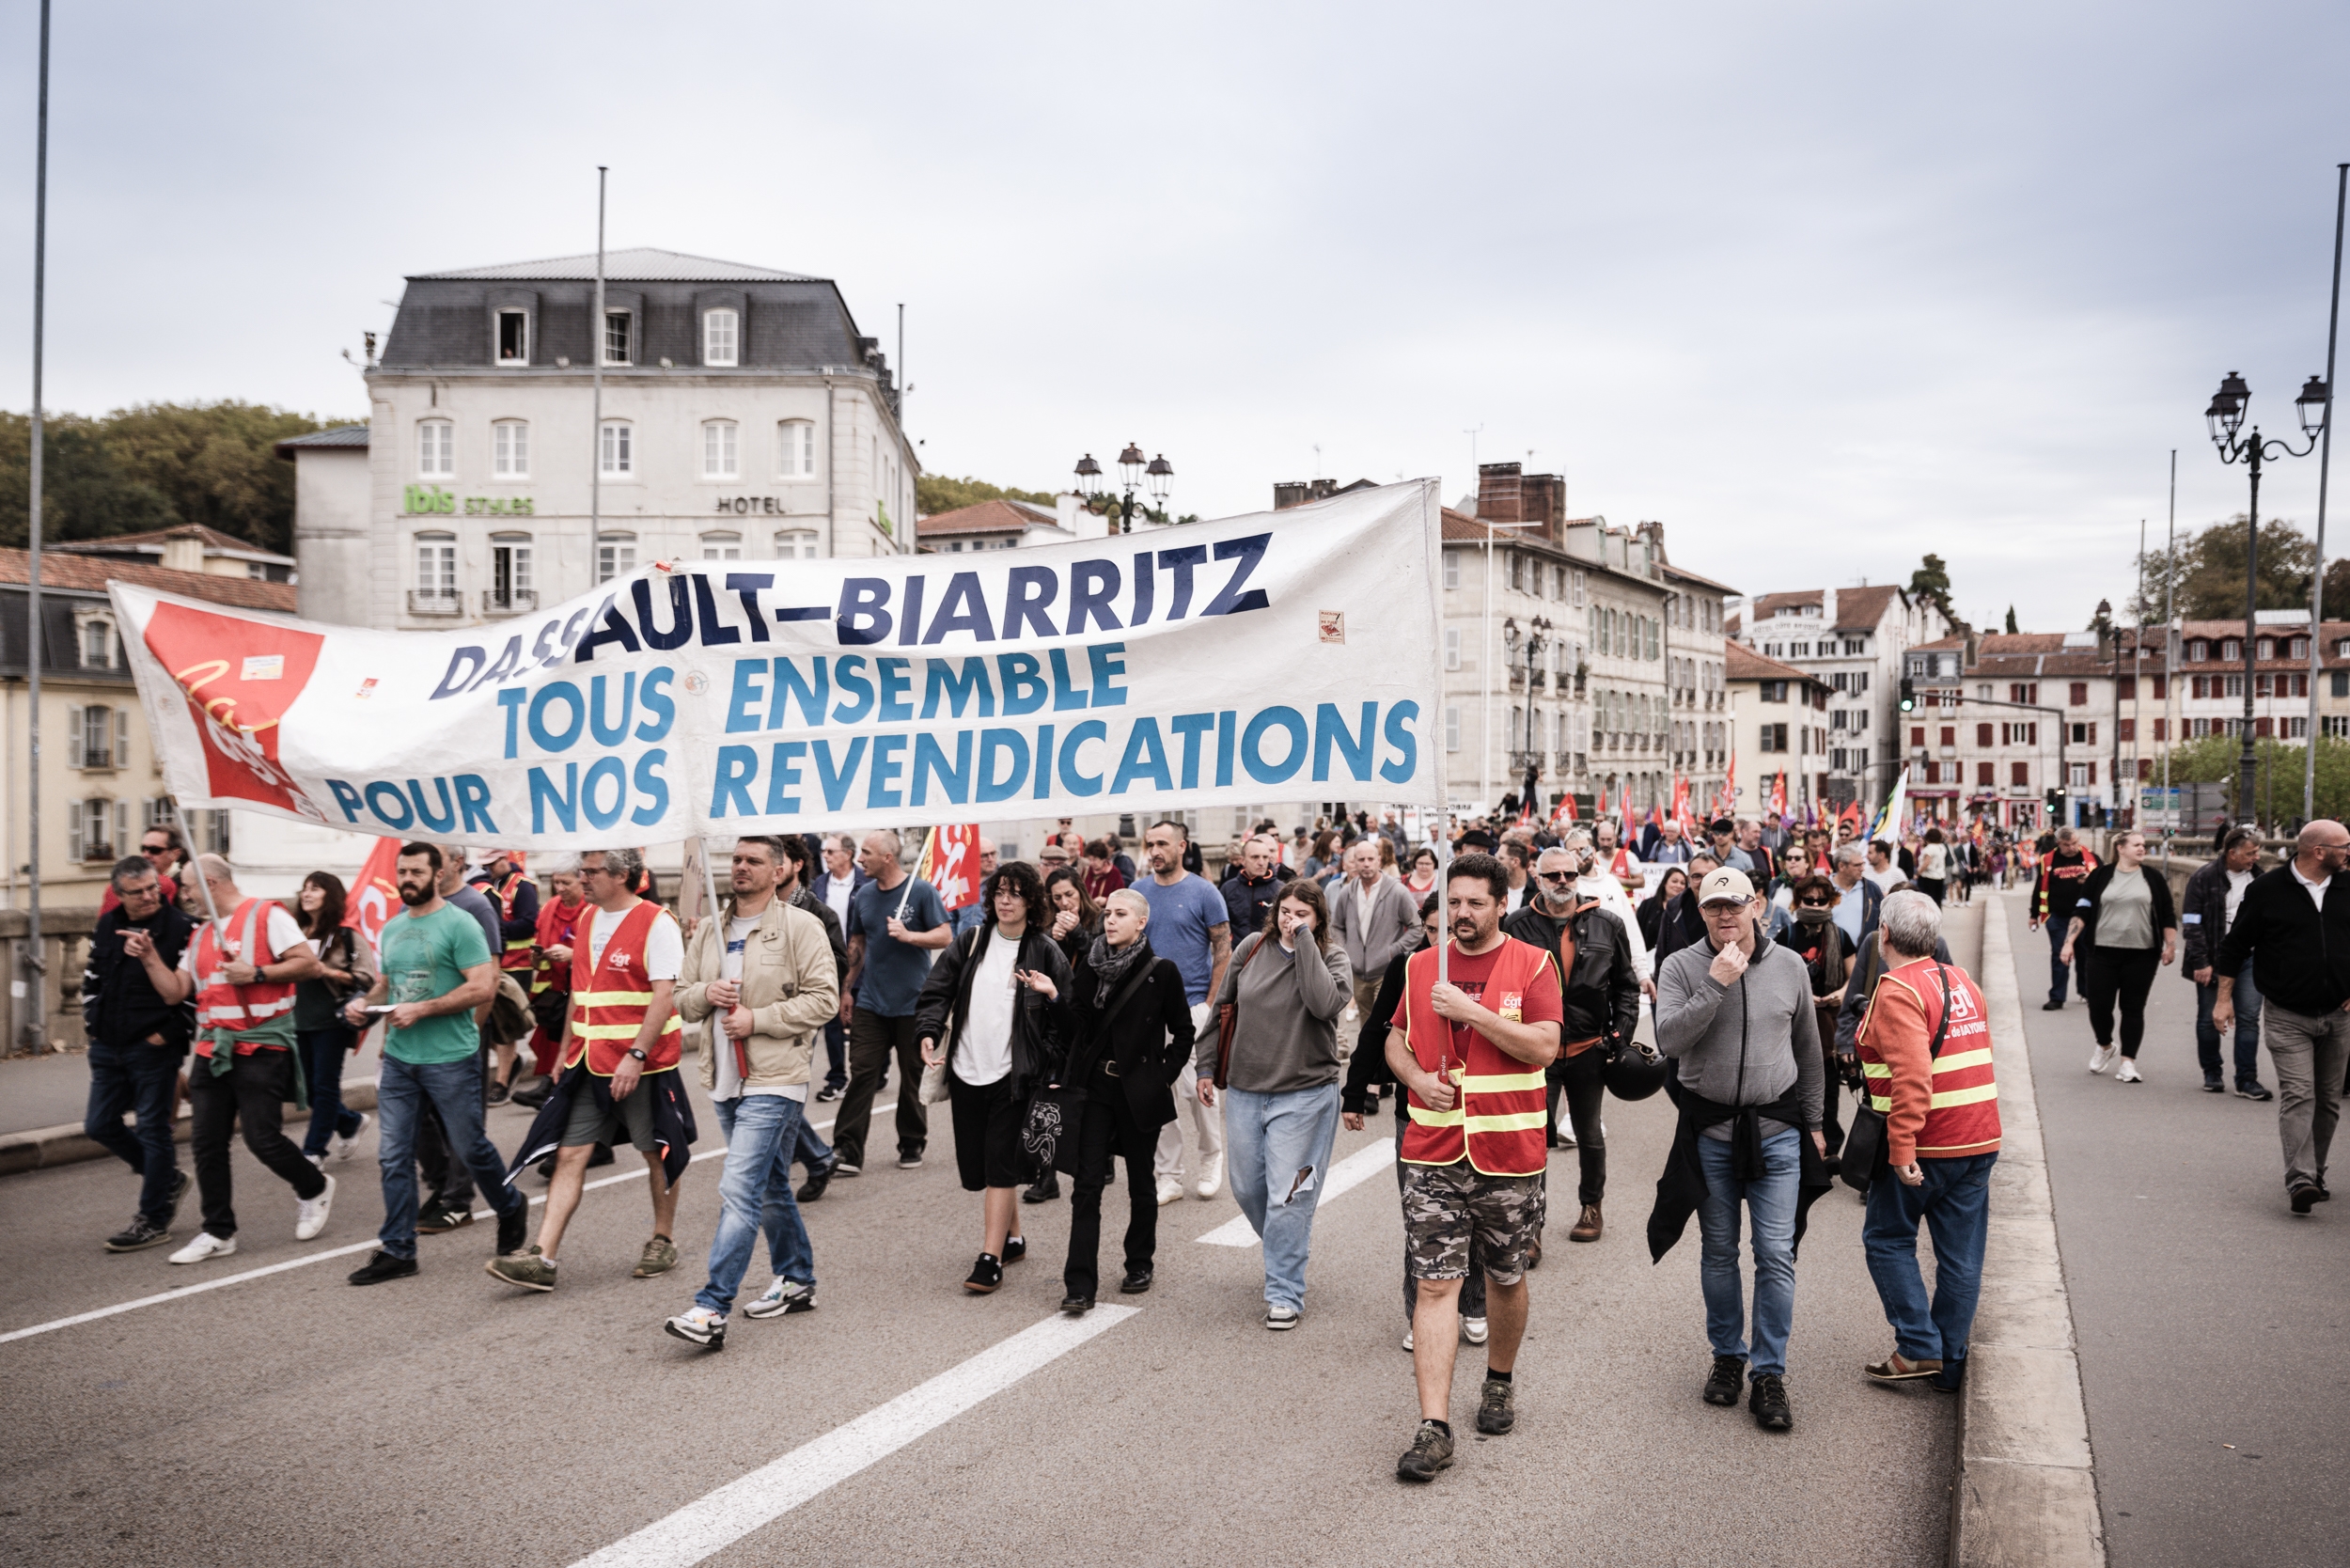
(1944, 1106)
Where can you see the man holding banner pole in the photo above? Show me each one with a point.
(895, 923)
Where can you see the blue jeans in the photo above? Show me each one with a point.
(140, 1078)
(2058, 969)
(809, 1148)
(454, 1089)
(1771, 1214)
(2247, 1029)
(324, 1052)
(754, 1195)
(1278, 1150)
(1954, 1201)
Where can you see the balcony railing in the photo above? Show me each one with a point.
(516, 603)
(1521, 760)
(421, 603)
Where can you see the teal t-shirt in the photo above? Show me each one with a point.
(427, 956)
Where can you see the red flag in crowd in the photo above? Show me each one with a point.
(1778, 795)
(950, 864)
(375, 893)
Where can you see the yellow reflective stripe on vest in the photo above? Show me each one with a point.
(1877, 1068)
(1503, 1083)
(1427, 1117)
(1881, 1103)
(1517, 1121)
(612, 998)
(1980, 1056)
(1963, 1096)
(619, 1031)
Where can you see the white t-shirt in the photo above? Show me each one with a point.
(285, 937)
(729, 1085)
(2238, 883)
(2316, 890)
(1885, 878)
(664, 945)
(837, 891)
(983, 1050)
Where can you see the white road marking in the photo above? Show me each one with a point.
(713, 1523)
(304, 1261)
(1359, 1167)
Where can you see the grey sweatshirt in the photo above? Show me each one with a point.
(1288, 1037)
(1769, 1021)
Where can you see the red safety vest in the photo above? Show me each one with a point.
(1962, 1114)
(1499, 1121)
(610, 999)
(520, 954)
(222, 1005)
(557, 921)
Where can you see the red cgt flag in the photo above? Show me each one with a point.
(950, 864)
(375, 893)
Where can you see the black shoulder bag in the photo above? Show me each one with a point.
(1863, 1158)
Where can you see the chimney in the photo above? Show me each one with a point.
(1828, 609)
(1499, 492)
(1542, 499)
(183, 550)
(1068, 510)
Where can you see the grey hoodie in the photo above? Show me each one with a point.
(1769, 1024)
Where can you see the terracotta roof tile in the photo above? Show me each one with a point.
(90, 575)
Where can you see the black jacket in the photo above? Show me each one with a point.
(1369, 1064)
(119, 1003)
(1603, 994)
(1038, 1027)
(1148, 1040)
(2203, 917)
(2091, 901)
(2300, 960)
(1682, 925)
(803, 898)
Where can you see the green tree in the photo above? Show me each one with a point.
(936, 493)
(2011, 621)
(1932, 581)
(2277, 784)
(2206, 573)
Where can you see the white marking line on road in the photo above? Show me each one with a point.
(1359, 1167)
(305, 1262)
(713, 1523)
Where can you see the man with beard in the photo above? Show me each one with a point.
(438, 968)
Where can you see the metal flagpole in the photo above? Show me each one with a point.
(2169, 662)
(2325, 456)
(595, 436)
(927, 840)
(36, 1032)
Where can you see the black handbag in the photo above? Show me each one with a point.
(1057, 1110)
(1863, 1158)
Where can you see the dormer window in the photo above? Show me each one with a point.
(721, 334)
(619, 338)
(98, 645)
(513, 338)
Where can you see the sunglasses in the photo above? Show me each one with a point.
(1556, 876)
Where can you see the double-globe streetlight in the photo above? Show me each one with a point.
(1536, 638)
(1158, 473)
(2226, 417)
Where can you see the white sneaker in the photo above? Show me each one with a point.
(1211, 1180)
(2129, 1072)
(1407, 1336)
(699, 1325)
(1170, 1191)
(343, 1146)
(2102, 1058)
(1279, 1318)
(310, 1218)
(1473, 1331)
(319, 1160)
(205, 1245)
(783, 1298)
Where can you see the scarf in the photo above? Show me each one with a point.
(1110, 965)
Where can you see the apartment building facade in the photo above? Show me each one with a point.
(1854, 640)
(1777, 719)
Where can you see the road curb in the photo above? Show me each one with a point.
(40, 1148)
(2026, 1490)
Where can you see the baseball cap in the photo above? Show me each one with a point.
(1727, 885)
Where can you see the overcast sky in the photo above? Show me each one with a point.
(1823, 287)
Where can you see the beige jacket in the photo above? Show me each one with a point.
(788, 983)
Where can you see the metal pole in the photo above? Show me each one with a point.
(905, 524)
(2138, 676)
(36, 1031)
(595, 433)
(2170, 667)
(2245, 759)
(2325, 458)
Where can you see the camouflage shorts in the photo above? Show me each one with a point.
(1444, 1203)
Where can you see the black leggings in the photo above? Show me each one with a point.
(2124, 972)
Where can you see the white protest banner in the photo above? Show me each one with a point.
(1267, 657)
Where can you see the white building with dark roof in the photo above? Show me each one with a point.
(1852, 640)
(744, 417)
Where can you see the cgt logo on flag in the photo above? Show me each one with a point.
(239, 678)
(950, 864)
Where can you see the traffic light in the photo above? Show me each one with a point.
(2055, 801)
(1909, 694)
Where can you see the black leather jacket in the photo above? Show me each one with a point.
(1602, 996)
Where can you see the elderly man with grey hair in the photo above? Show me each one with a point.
(1925, 1047)
(1858, 897)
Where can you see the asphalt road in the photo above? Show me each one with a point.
(2209, 1317)
(292, 1419)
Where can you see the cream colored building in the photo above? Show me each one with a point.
(1779, 717)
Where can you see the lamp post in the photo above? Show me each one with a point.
(1535, 637)
(1158, 474)
(2226, 417)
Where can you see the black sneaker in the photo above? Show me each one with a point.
(2252, 1092)
(179, 1184)
(1431, 1453)
(2304, 1198)
(1768, 1401)
(818, 1180)
(830, 1092)
(602, 1156)
(1137, 1281)
(500, 1092)
(513, 1228)
(1076, 1306)
(436, 1217)
(381, 1267)
(1496, 1407)
(533, 1094)
(2213, 1086)
(138, 1237)
(1047, 1188)
(2052, 1006)
(1729, 1373)
(986, 1275)
(1015, 1249)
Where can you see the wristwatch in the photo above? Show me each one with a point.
(637, 1054)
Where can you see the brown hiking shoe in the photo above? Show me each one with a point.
(660, 1257)
(1588, 1227)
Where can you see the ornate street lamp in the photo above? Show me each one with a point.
(2226, 417)
(1133, 473)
